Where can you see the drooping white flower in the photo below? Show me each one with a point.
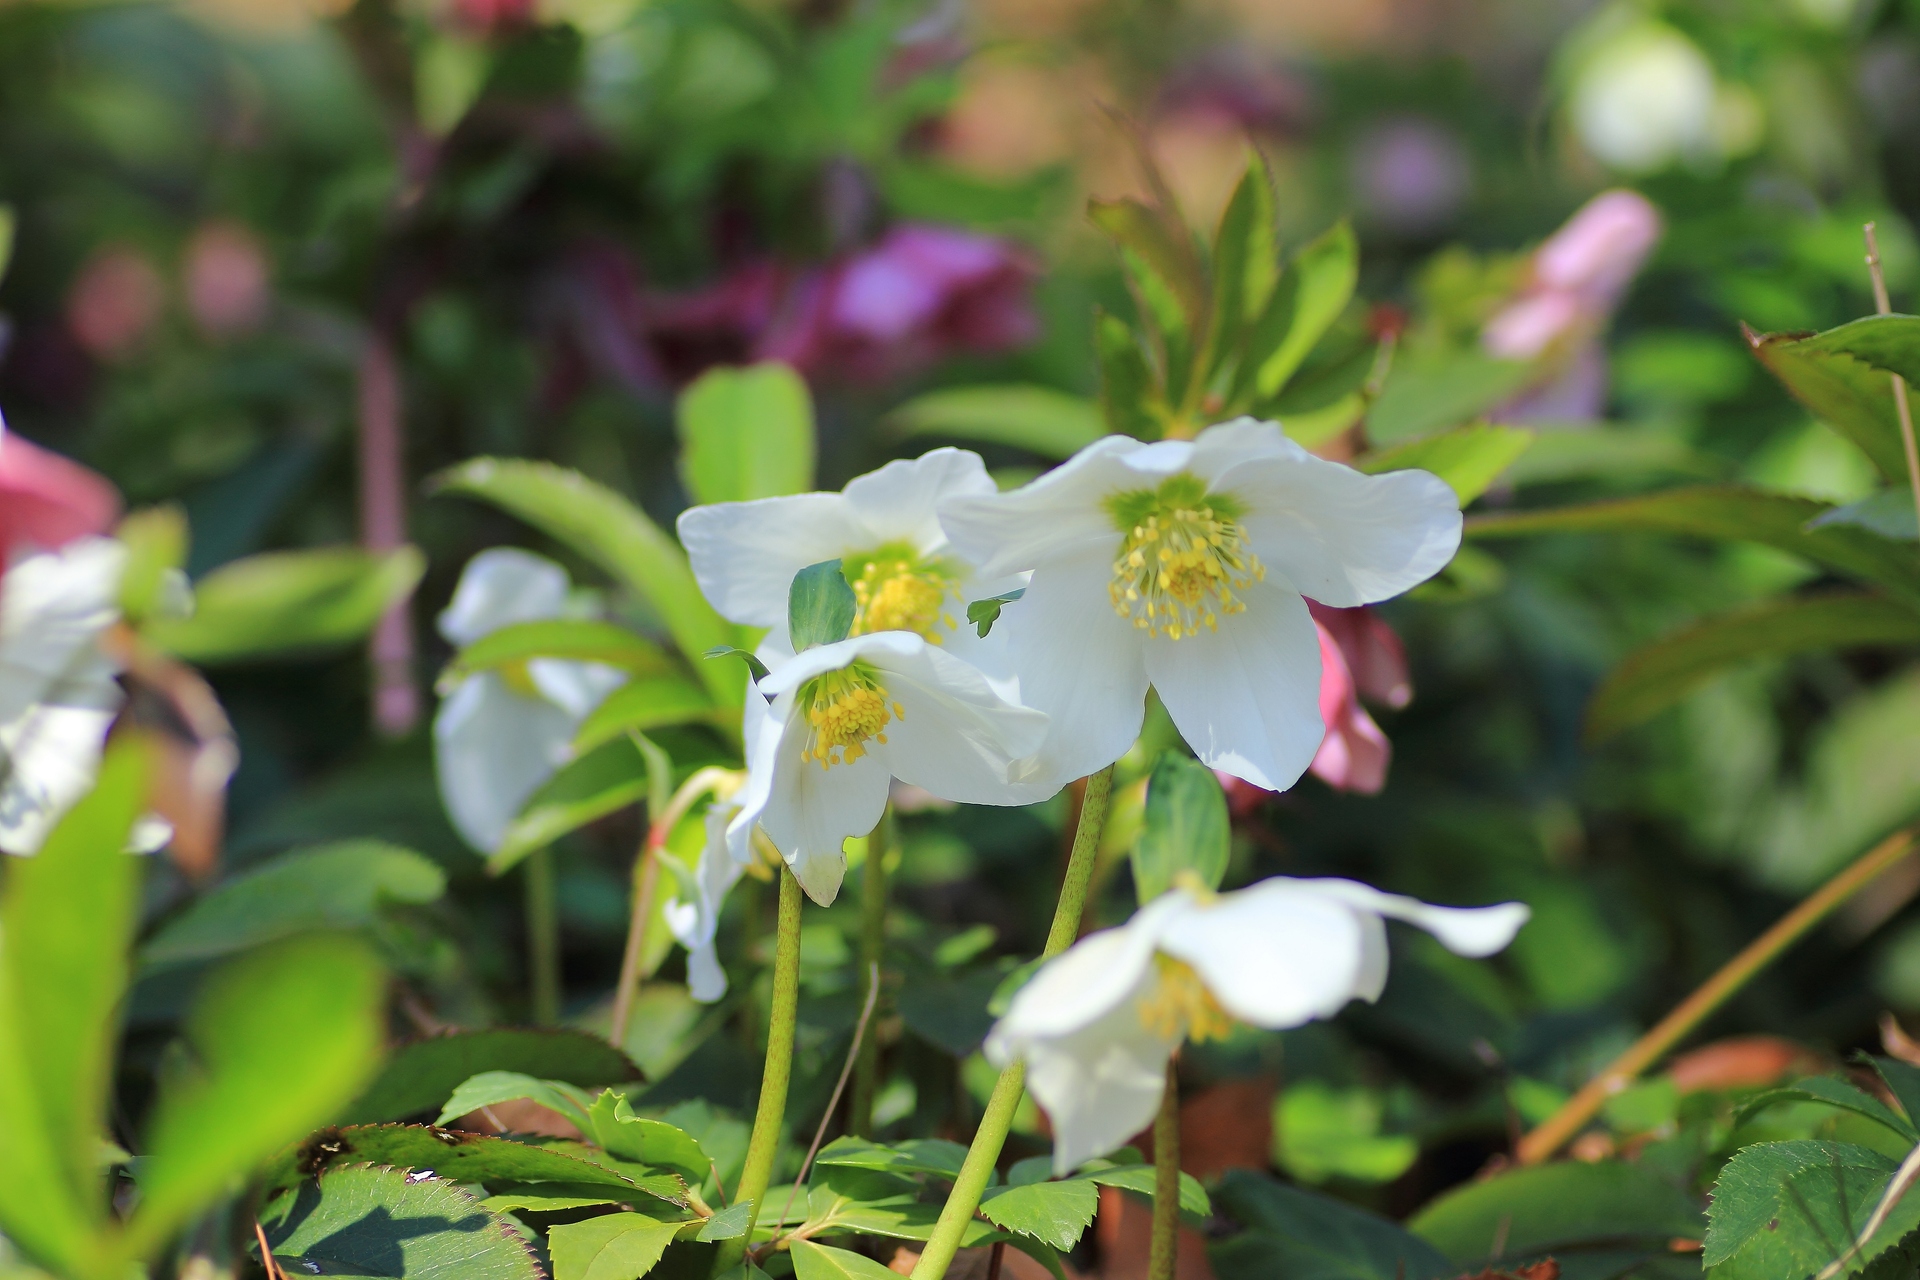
(58, 695)
(692, 910)
(882, 528)
(1182, 565)
(503, 732)
(845, 719)
(1097, 1024)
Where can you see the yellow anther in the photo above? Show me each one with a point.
(895, 589)
(1200, 558)
(1180, 1006)
(846, 710)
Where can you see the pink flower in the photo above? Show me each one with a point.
(115, 301)
(46, 500)
(1577, 276)
(226, 279)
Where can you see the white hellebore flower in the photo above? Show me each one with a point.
(502, 733)
(882, 528)
(692, 911)
(1097, 1024)
(1182, 564)
(848, 717)
(58, 695)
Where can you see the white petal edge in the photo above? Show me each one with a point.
(499, 587)
(493, 748)
(745, 554)
(900, 501)
(1059, 514)
(957, 737)
(1276, 955)
(1466, 931)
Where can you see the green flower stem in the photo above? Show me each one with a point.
(1166, 1181)
(873, 945)
(770, 1118)
(991, 1136)
(543, 939)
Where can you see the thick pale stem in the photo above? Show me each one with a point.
(1559, 1128)
(873, 945)
(770, 1118)
(1166, 1181)
(991, 1136)
(543, 939)
(646, 883)
(1904, 411)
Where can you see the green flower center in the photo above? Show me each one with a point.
(895, 589)
(1183, 554)
(846, 710)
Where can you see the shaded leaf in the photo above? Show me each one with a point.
(1186, 828)
(490, 1088)
(1902, 1080)
(1833, 1092)
(419, 1076)
(820, 606)
(1784, 1210)
(1161, 247)
(1053, 424)
(1131, 403)
(552, 1197)
(1889, 513)
(935, 1156)
(746, 433)
(615, 1246)
(580, 639)
(1469, 458)
(1553, 1206)
(1840, 388)
(385, 1222)
(605, 780)
(1425, 393)
(286, 601)
(1890, 343)
(1294, 1234)
(1057, 1213)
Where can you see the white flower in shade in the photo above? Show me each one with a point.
(692, 912)
(501, 733)
(1182, 565)
(1097, 1024)
(847, 718)
(58, 695)
(884, 530)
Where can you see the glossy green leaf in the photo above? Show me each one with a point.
(1469, 458)
(1053, 424)
(615, 1246)
(490, 1088)
(65, 921)
(650, 702)
(1788, 1209)
(389, 1223)
(1289, 1233)
(418, 1077)
(581, 639)
(335, 886)
(1841, 387)
(1546, 1207)
(1130, 402)
(1186, 829)
(1057, 1213)
(819, 1262)
(248, 1096)
(651, 1142)
(746, 433)
(604, 527)
(288, 601)
(1658, 675)
(729, 1224)
(1139, 1178)
(1731, 513)
(552, 1197)
(1889, 343)
(820, 606)
(1833, 1092)
(935, 1156)
(603, 781)
(1322, 277)
(1889, 513)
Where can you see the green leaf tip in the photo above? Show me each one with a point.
(820, 606)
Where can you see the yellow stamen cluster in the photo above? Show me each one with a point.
(1180, 1007)
(847, 709)
(894, 591)
(1178, 571)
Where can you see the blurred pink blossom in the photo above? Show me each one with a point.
(47, 500)
(1578, 276)
(114, 301)
(1411, 174)
(226, 279)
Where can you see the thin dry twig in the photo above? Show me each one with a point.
(267, 1260)
(833, 1103)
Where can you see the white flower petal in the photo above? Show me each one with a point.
(1342, 537)
(53, 607)
(957, 737)
(575, 687)
(1247, 697)
(1063, 513)
(493, 748)
(760, 732)
(1275, 955)
(811, 811)
(1081, 985)
(1220, 448)
(1467, 931)
(900, 501)
(745, 554)
(694, 924)
(499, 587)
(50, 754)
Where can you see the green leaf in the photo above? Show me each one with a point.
(247, 1096)
(1902, 1080)
(1040, 420)
(1294, 1234)
(1320, 1132)
(1057, 1213)
(1186, 827)
(1139, 1178)
(581, 639)
(419, 1076)
(1246, 261)
(1322, 280)
(156, 543)
(604, 527)
(385, 1222)
(1129, 400)
(650, 702)
(334, 886)
(1162, 249)
(935, 1156)
(729, 1224)
(746, 433)
(1784, 1210)
(757, 668)
(65, 921)
(1732, 513)
(1429, 392)
(617, 1246)
(1841, 386)
(288, 601)
(818, 1262)
(1469, 458)
(820, 606)
(551, 1197)
(643, 1141)
(1889, 513)
(492, 1087)
(1889, 343)
(1658, 675)
(1832, 1092)
(1556, 1206)
(605, 780)
(984, 613)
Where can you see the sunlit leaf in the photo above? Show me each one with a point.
(935, 1156)
(418, 1077)
(490, 1088)
(615, 1246)
(1058, 1213)
(818, 1262)
(579, 639)
(390, 1223)
(1437, 392)
(1316, 289)
(1790, 1208)
(746, 433)
(650, 702)
(1246, 261)
(1469, 458)
(1186, 828)
(1832, 1092)
(651, 1142)
(1831, 374)
(1053, 424)
(288, 601)
(156, 543)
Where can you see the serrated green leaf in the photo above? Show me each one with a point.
(1785, 1210)
(746, 433)
(1547, 1207)
(643, 1141)
(603, 781)
(1186, 828)
(818, 1262)
(553, 1197)
(1057, 1213)
(1831, 1092)
(1657, 676)
(579, 639)
(419, 1076)
(1139, 1178)
(490, 1088)
(1469, 458)
(1301, 1235)
(1322, 279)
(935, 1156)
(1889, 343)
(615, 1246)
(334, 886)
(600, 525)
(820, 606)
(1840, 386)
(288, 601)
(1163, 251)
(1053, 424)
(385, 1222)
(729, 1224)
(1889, 513)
